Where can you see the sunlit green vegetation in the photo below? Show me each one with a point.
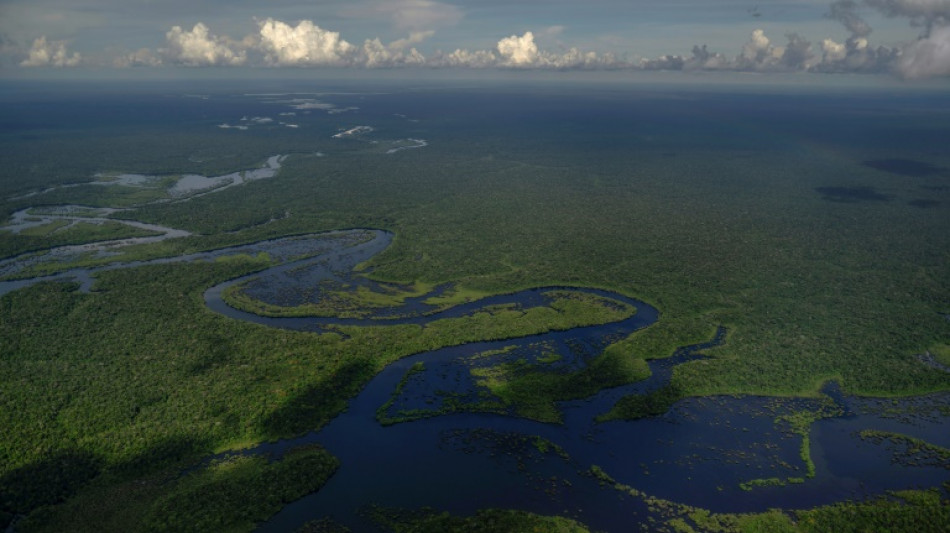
(637, 406)
(532, 390)
(925, 511)
(942, 353)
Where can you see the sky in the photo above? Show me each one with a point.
(909, 39)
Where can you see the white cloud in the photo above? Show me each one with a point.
(45, 53)
(757, 49)
(518, 51)
(303, 45)
(927, 57)
(374, 54)
(465, 58)
(522, 52)
(832, 51)
(199, 47)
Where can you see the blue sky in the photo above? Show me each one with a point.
(909, 37)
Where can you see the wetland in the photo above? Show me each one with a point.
(541, 316)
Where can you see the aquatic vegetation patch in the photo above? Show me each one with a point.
(910, 451)
(518, 447)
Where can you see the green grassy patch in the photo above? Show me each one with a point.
(45, 229)
(636, 406)
(942, 353)
(533, 390)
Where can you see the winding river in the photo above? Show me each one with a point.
(698, 453)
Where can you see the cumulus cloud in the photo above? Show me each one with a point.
(305, 44)
(518, 51)
(832, 51)
(45, 53)
(929, 56)
(757, 52)
(703, 59)
(375, 54)
(664, 62)
(199, 47)
(522, 52)
(798, 53)
(465, 58)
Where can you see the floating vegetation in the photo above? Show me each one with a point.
(910, 451)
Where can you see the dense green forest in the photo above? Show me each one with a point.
(128, 384)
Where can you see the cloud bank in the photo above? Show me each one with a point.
(45, 53)
(201, 48)
(305, 44)
(929, 56)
